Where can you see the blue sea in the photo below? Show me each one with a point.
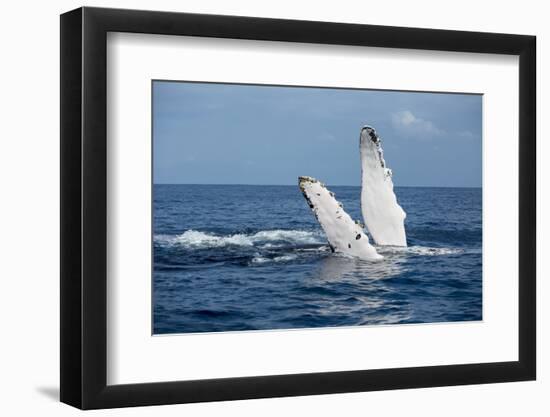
(245, 257)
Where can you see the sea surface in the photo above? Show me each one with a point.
(245, 257)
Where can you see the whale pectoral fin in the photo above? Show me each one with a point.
(383, 216)
(343, 234)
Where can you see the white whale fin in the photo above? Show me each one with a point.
(383, 216)
(343, 234)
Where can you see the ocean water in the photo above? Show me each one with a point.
(243, 257)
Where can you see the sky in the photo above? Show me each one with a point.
(206, 133)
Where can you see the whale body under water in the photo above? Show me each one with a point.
(383, 217)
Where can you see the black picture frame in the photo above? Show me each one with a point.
(84, 207)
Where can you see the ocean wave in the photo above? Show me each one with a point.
(282, 240)
(194, 239)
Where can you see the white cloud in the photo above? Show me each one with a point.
(415, 126)
(466, 134)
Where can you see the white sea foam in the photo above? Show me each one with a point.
(258, 259)
(419, 250)
(265, 238)
(296, 236)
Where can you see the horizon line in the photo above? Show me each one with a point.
(331, 185)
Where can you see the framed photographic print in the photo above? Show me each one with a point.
(258, 207)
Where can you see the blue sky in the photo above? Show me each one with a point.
(249, 134)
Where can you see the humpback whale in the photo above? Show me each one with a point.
(383, 216)
(343, 234)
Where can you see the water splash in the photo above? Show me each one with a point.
(193, 239)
